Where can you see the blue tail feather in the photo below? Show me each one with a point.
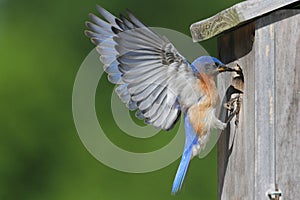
(183, 166)
(191, 139)
(181, 172)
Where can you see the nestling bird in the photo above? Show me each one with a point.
(157, 81)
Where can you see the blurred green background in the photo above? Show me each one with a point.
(41, 156)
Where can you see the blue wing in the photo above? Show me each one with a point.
(152, 76)
(190, 140)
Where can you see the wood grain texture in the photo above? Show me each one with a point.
(264, 84)
(287, 41)
(266, 146)
(236, 159)
(234, 16)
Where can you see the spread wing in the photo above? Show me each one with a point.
(152, 76)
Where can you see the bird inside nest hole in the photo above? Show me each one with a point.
(236, 89)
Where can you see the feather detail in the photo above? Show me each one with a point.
(154, 77)
(183, 167)
(191, 141)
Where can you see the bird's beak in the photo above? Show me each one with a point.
(224, 68)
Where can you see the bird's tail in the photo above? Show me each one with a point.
(183, 166)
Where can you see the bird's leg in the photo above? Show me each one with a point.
(219, 124)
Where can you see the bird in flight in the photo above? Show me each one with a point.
(157, 81)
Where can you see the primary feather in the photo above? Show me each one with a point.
(152, 75)
(156, 80)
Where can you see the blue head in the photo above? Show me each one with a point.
(209, 65)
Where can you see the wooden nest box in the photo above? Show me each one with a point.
(260, 158)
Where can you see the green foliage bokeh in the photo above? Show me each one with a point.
(41, 156)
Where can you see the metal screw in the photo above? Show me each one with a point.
(275, 195)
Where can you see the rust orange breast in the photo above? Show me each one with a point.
(199, 112)
(208, 87)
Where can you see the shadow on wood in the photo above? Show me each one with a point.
(226, 145)
(266, 145)
(237, 44)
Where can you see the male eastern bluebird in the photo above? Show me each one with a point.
(157, 81)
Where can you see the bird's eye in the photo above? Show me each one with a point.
(217, 64)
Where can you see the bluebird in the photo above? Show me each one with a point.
(157, 81)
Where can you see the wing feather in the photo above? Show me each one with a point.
(152, 75)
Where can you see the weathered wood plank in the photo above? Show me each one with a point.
(236, 160)
(264, 83)
(234, 16)
(287, 41)
(266, 146)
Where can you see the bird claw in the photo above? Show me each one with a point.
(223, 126)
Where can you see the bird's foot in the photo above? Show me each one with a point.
(220, 125)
